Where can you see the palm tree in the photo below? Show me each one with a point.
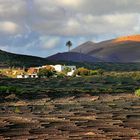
(69, 44)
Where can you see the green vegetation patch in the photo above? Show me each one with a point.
(56, 87)
(9, 89)
(137, 92)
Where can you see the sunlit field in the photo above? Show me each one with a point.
(95, 107)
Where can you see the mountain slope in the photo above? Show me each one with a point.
(123, 49)
(83, 47)
(10, 59)
(73, 57)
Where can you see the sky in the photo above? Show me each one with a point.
(42, 27)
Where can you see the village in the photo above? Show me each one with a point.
(34, 72)
(48, 71)
(39, 72)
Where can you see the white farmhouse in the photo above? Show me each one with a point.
(24, 76)
(60, 68)
(20, 76)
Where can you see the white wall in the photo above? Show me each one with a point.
(19, 76)
(58, 68)
(71, 67)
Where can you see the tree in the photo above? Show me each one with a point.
(46, 73)
(82, 72)
(100, 71)
(66, 70)
(69, 45)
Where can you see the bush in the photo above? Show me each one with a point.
(93, 72)
(66, 70)
(6, 90)
(86, 72)
(61, 75)
(17, 110)
(137, 92)
(82, 72)
(100, 71)
(46, 72)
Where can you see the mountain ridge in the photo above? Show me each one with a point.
(73, 57)
(8, 59)
(123, 49)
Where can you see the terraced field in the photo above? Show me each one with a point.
(84, 117)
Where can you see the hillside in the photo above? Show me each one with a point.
(9, 59)
(123, 49)
(73, 57)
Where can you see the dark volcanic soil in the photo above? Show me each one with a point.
(103, 117)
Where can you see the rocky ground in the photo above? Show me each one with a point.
(84, 117)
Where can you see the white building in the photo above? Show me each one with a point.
(20, 76)
(60, 68)
(27, 76)
(33, 76)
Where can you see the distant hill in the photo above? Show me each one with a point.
(123, 49)
(73, 57)
(10, 59)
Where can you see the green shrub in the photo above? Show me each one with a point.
(8, 89)
(137, 92)
(100, 71)
(82, 72)
(17, 110)
(66, 70)
(61, 75)
(45, 72)
(3, 89)
(93, 72)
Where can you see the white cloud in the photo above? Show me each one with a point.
(95, 7)
(84, 25)
(47, 42)
(12, 8)
(71, 17)
(12, 16)
(71, 3)
(9, 27)
(87, 17)
(43, 24)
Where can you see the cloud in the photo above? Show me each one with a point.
(33, 26)
(87, 17)
(12, 8)
(85, 25)
(94, 7)
(12, 16)
(49, 42)
(72, 18)
(69, 3)
(9, 27)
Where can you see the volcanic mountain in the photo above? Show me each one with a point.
(73, 57)
(122, 49)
